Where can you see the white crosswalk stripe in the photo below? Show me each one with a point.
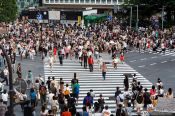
(168, 52)
(93, 80)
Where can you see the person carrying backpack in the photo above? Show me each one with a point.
(88, 101)
(139, 101)
(67, 91)
(76, 90)
(147, 99)
(33, 96)
(43, 92)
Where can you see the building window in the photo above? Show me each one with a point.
(109, 1)
(103, 1)
(87, 1)
(97, 1)
(92, 1)
(76, 1)
(114, 1)
(47, 1)
(81, 1)
(71, 1)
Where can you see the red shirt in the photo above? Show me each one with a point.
(122, 57)
(54, 51)
(66, 113)
(90, 60)
(152, 92)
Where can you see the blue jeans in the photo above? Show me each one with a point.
(104, 75)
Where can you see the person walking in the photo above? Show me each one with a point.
(85, 58)
(90, 62)
(126, 82)
(76, 90)
(43, 92)
(33, 97)
(104, 69)
(19, 73)
(6, 72)
(61, 57)
(4, 97)
(3, 108)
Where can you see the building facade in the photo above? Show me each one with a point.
(25, 4)
(82, 4)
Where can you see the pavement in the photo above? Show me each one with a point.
(36, 66)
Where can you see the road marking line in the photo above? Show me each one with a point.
(173, 60)
(143, 59)
(154, 57)
(164, 62)
(133, 61)
(141, 66)
(153, 64)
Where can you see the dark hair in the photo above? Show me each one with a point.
(88, 94)
(75, 75)
(5, 91)
(106, 107)
(66, 108)
(53, 78)
(43, 108)
(153, 87)
(170, 91)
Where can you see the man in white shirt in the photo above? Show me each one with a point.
(6, 72)
(5, 97)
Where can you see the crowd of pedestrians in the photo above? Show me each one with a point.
(29, 40)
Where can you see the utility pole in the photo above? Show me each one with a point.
(137, 18)
(11, 92)
(162, 17)
(131, 17)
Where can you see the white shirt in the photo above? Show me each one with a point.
(4, 97)
(6, 72)
(50, 97)
(106, 112)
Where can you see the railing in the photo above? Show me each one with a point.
(85, 2)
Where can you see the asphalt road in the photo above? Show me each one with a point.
(153, 66)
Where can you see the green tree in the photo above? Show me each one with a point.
(8, 10)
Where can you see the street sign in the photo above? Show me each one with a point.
(39, 17)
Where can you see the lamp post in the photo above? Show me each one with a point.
(162, 16)
(131, 17)
(10, 79)
(137, 20)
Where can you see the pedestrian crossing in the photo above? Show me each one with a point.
(168, 52)
(93, 80)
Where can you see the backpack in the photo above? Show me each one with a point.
(139, 98)
(43, 90)
(66, 92)
(147, 98)
(88, 102)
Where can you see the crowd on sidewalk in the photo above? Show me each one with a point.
(28, 40)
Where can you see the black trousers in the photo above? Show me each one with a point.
(85, 64)
(5, 79)
(91, 67)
